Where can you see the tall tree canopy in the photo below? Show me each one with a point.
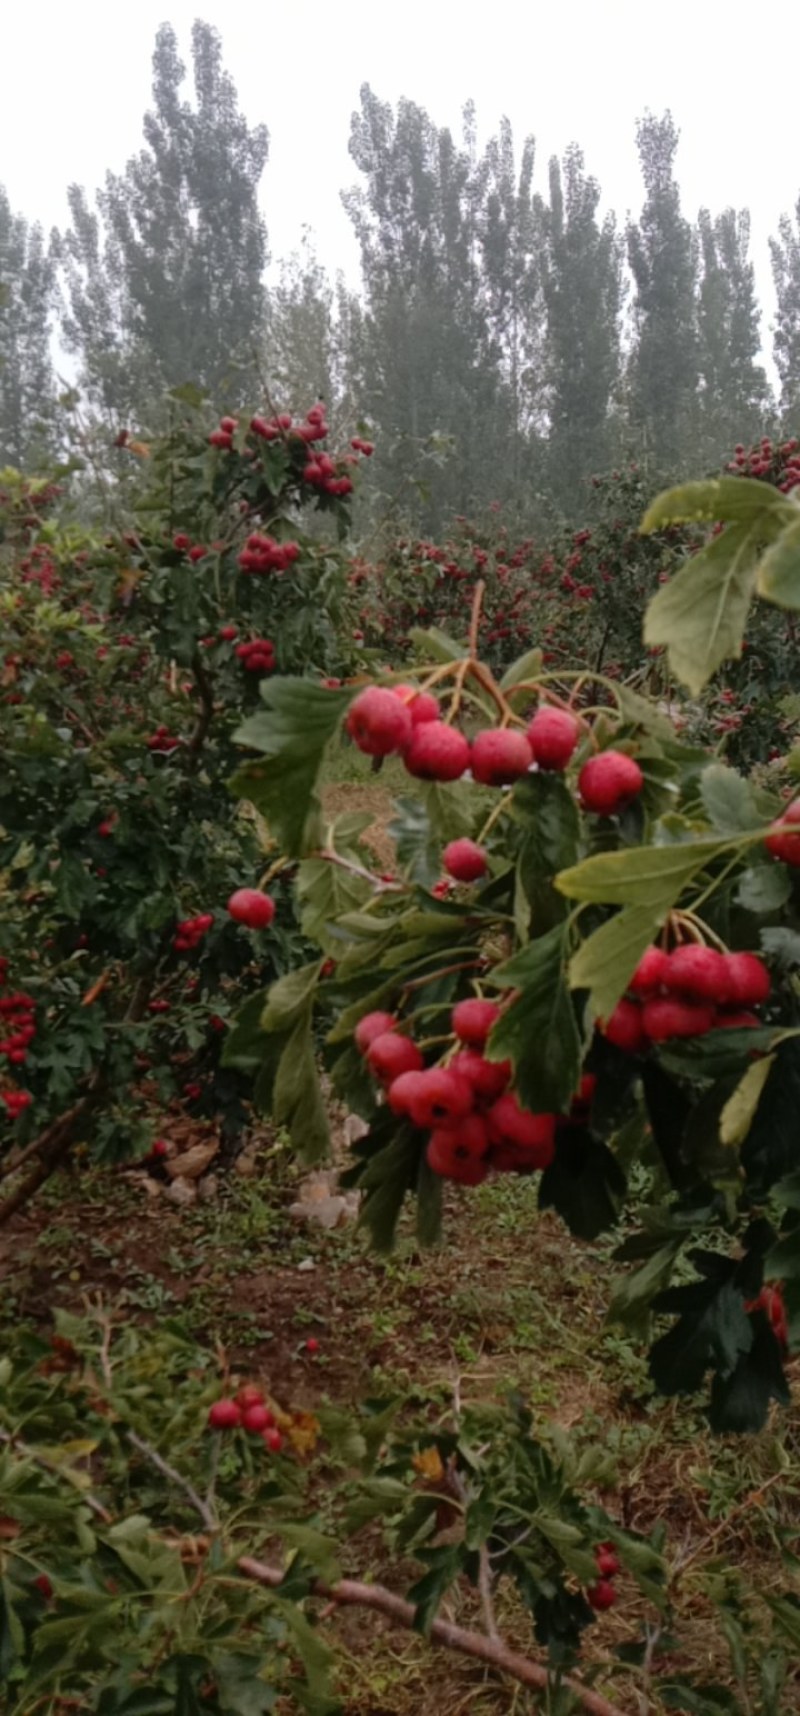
(26, 374)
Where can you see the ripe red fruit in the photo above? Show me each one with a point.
(220, 438)
(256, 1418)
(786, 846)
(487, 1078)
(422, 705)
(250, 907)
(181, 541)
(663, 1019)
(602, 1595)
(224, 1415)
(441, 1098)
(436, 752)
(378, 722)
(459, 1153)
(748, 980)
(249, 1395)
(371, 1026)
(624, 1027)
(472, 1021)
(390, 1055)
(733, 1021)
(512, 1124)
(500, 755)
(312, 1345)
(44, 1586)
(608, 782)
(770, 1300)
(405, 1090)
(465, 860)
(553, 735)
(228, 425)
(699, 972)
(650, 973)
(273, 1440)
(608, 1561)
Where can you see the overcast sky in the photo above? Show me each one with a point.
(76, 81)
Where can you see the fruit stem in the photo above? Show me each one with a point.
(502, 804)
(475, 618)
(699, 930)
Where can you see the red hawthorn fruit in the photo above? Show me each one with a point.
(465, 860)
(181, 541)
(699, 972)
(390, 1055)
(487, 1078)
(440, 1098)
(650, 973)
(198, 552)
(671, 1017)
(472, 1020)
(44, 1586)
(510, 1123)
(624, 1027)
(267, 431)
(378, 722)
(371, 1026)
(436, 752)
(453, 1155)
(312, 1345)
(786, 846)
(224, 1415)
(608, 782)
(602, 1595)
(257, 1418)
(250, 907)
(499, 756)
(249, 1395)
(273, 1440)
(404, 1090)
(749, 982)
(608, 1561)
(553, 735)
(770, 1300)
(220, 438)
(421, 705)
(735, 1021)
(229, 425)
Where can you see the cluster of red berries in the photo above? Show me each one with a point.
(765, 459)
(223, 436)
(770, 1300)
(322, 473)
(162, 740)
(184, 545)
(475, 1122)
(247, 1411)
(190, 932)
(257, 655)
(17, 1014)
(407, 722)
(275, 428)
(263, 554)
(685, 993)
(602, 1595)
(360, 446)
(250, 907)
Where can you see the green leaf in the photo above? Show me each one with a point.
(786, 1611)
(544, 806)
(526, 667)
(739, 1110)
(437, 644)
(764, 888)
(779, 571)
(702, 612)
(297, 1100)
(417, 845)
(320, 1550)
(289, 996)
(292, 733)
(450, 806)
(324, 890)
(782, 1262)
(712, 1331)
(584, 1183)
(428, 1591)
(719, 500)
(243, 1045)
(729, 800)
(630, 1301)
(653, 876)
(740, 1401)
(538, 1032)
(606, 961)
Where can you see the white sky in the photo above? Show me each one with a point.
(76, 82)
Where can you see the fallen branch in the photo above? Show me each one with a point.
(491, 1651)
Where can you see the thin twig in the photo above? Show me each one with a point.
(56, 1471)
(492, 1651)
(209, 1520)
(206, 715)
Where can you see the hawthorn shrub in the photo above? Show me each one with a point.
(621, 939)
(126, 661)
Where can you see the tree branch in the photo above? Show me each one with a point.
(209, 1520)
(206, 715)
(496, 1654)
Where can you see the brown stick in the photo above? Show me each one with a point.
(491, 1651)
